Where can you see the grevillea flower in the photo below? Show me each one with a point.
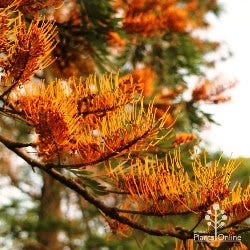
(146, 77)
(128, 86)
(211, 92)
(237, 205)
(184, 138)
(115, 40)
(52, 113)
(121, 133)
(92, 120)
(29, 6)
(97, 97)
(148, 17)
(31, 49)
(4, 27)
(162, 187)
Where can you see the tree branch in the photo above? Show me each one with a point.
(9, 143)
(151, 213)
(104, 158)
(243, 230)
(108, 211)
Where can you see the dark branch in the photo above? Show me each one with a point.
(102, 110)
(151, 213)
(243, 230)
(108, 211)
(8, 143)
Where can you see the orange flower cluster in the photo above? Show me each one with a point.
(125, 131)
(167, 187)
(50, 124)
(28, 49)
(29, 6)
(88, 121)
(128, 85)
(152, 17)
(184, 138)
(96, 98)
(211, 92)
(145, 77)
(115, 40)
(170, 120)
(51, 113)
(4, 30)
(237, 205)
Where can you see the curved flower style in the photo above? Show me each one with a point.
(167, 187)
(29, 6)
(26, 50)
(91, 120)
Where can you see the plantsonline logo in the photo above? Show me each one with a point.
(216, 219)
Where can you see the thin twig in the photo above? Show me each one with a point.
(104, 158)
(10, 143)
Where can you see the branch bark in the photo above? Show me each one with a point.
(108, 211)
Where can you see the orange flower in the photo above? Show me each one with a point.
(145, 77)
(29, 6)
(128, 86)
(29, 49)
(50, 125)
(176, 19)
(4, 27)
(211, 92)
(237, 205)
(167, 187)
(123, 132)
(149, 18)
(115, 40)
(184, 138)
(191, 6)
(91, 120)
(159, 112)
(52, 113)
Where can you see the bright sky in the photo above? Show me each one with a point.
(233, 136)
